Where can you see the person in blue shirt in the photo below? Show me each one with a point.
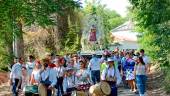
(94, 66)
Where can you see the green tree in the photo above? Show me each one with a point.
(152, 18)
(16, 14)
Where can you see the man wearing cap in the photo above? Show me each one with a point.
(94, 66)
(112, 76)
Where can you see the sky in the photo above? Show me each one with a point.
(120, 6)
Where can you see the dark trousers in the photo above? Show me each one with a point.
(95, 76)
(49, 92)
(14, 87)
(113, 88)
(59, 86)
(69, 91)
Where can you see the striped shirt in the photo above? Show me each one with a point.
(140, 69)
(16, 72)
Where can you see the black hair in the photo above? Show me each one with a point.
(142, 50)
(141, 60)
(31, 57)
(127, 53)
(20, 58)
(23, 67)
(52, 54)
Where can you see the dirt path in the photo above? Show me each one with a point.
(4, 85)
(125, 92)
(5, 90)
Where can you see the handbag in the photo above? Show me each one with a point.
(31, 89)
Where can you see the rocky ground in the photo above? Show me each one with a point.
(4, 84)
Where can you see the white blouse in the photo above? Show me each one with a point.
(36, 74)
(110, 72)
(60, 71)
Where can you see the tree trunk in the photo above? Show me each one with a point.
(51, 41)
(18, 46)
(62, 30)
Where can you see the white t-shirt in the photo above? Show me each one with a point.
(60, 71)
(146, 59)
(36, 75)
(30, 67)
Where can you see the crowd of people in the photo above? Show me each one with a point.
(61, 75)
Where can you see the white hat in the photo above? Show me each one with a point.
(110, 59)
(135, 58)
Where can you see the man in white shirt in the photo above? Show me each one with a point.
(15, 76)
(94, 66)
(60, 72)
(145, 59)
(112, 76)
